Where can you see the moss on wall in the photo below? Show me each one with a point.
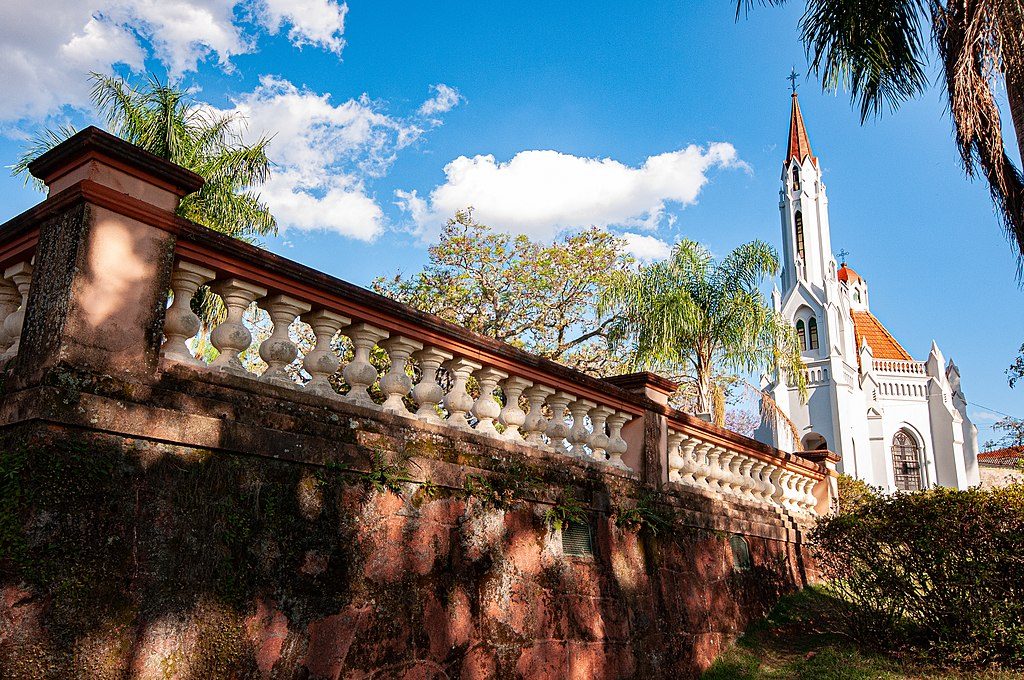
(129, 558)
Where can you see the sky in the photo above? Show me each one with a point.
(656, 120)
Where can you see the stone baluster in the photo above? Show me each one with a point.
(778, 490)
(579, 435)
(557, 429)
(396, 383)
(599, 439)
(714, 470)
(359, 373)
(688, 473)
(428, 393)
(278, 350)
(762, 487)
(458, 401)
(10, 300)
(702, 470)
(323, 362)
(486, 408)
(673, 456)
(617, 446)
(231, 337)
(180, 322)
(806, 488)
(512, 416)
(536, 424)
(749, 484)
(21, 275)
(735, 478)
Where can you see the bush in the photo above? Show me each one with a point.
(942, 568)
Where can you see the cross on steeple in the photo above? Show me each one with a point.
(842, 256)
(792, 78)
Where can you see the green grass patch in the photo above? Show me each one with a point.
(797, 641)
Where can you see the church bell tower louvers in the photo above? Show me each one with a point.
(897, 423)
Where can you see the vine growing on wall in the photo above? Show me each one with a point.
(567, 510)
(645, 515)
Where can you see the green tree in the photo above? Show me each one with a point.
(706, 316)
(169, 123)
(878, 52)
(540, 297)
(1011, 434)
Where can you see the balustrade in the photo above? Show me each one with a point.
(431, 366)
(527, 412)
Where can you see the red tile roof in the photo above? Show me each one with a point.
(883, 346)
(846, 274)
(1011, 456)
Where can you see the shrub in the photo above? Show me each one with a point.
(941, 567)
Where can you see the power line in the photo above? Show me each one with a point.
(993, 410)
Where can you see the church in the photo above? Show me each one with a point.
(898, 423)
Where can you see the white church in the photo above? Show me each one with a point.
(898, 423)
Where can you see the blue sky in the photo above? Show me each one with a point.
(371, 102)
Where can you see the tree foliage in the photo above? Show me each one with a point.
(878, 52)
(166, 121)
(703, 315)
(540, 297)
(1011, 433)
(938, 568)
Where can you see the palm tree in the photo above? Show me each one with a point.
(877, 49)
(167, 122)
(706, 317)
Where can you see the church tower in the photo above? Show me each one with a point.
(897, 423)
(810, 299)
(807, 246)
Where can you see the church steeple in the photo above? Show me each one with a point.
(799, 143)
(807, 248)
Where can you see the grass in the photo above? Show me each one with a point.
(792, 643)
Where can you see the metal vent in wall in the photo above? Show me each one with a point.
(741, 560)
(578, 539)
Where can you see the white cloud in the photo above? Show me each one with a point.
(312, 22)
(646, 248)
(444, 100)
(322, 152)
(540, 193)
(48, 48)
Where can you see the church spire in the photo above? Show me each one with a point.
(799, 144)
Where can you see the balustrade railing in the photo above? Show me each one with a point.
(899, 366)
(435, 372)
(511, 401)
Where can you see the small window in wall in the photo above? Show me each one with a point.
(801, 334)
(799, 220)
(796, 178)
(812, 328)
(578, 539)
(856, 296)
(741, 560)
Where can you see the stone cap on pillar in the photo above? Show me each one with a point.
(822, 456)
(100, 157)
(657, 388)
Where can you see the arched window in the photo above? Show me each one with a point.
(856, 296)
(796, 178)
(906, 462)
(799, 220)
(801, 334)
(812, 329)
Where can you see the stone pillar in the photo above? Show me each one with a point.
(647, 436)
(103, 264)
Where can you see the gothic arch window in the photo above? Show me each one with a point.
(799, 221)
(906, 462)
(801, 334)
(796, 178)
(856, 296)
(812, 330)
